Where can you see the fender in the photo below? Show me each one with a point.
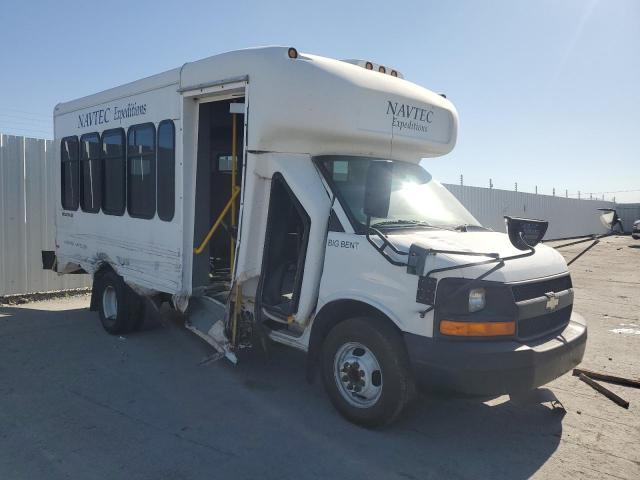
(328, 317)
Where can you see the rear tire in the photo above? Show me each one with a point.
(119, 307)
(366, 371)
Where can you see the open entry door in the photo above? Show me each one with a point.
(221, 128)
(218, 191)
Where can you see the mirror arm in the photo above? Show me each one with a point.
(385, 243)
(595, 239)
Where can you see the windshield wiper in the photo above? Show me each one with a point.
(465, 227)
(401, 223)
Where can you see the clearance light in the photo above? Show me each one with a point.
(477, 329)
(394, 73)
(381, 69)
(293, 53)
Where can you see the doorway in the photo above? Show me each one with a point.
(284, 254)
(218, 180)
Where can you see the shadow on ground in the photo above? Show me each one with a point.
(77, 402)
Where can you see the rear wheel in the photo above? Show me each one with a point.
(120, 308)
(366, 371)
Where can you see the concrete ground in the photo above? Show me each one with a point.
(78, 403)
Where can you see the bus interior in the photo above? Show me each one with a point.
(218, 180)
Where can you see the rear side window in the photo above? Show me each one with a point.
(166, 170)
(69, 173)
(141, 171)
(90, 173)
(114, 172)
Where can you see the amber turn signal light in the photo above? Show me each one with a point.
(477, 329)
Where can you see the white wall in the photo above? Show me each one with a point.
(28, 199)
(567, 217)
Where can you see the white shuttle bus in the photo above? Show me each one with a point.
(267, 193)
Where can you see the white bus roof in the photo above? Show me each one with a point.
(313, 104)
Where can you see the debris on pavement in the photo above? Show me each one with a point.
(627, 382)
(604, 391)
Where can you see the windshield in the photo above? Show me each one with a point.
(416, 199)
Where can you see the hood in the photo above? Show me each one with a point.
(544, 262)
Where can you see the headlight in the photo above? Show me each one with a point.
(476, 299)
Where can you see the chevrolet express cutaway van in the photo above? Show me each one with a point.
(268, 193)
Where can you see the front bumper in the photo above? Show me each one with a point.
(491, 368)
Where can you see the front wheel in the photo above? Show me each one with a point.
(366, 371)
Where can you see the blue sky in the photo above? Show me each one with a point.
(548, 91)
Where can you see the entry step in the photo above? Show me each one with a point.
(205, 318)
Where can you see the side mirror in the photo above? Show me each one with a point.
(525, 233)
(609, 217)
(377, 192)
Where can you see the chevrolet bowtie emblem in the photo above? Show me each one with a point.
(552, 300)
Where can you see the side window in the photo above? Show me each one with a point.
(141, 171)
(114, 172)
(166, 170)
(69, 173)
(90, 173)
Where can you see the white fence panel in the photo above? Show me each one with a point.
(14, 226)
(28, 198)
(567, 217)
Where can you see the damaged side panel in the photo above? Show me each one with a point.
(139, 137)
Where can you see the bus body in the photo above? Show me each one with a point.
(238, 189)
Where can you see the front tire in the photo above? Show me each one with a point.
(366, 371)
(120, 308)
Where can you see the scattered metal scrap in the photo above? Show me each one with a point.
(627, 382)
(587, 376)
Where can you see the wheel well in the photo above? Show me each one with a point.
(328, 317)
(102, 269)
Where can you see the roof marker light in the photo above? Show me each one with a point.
(293, 53)
(381, 69)
(394, 73)
(368, 66)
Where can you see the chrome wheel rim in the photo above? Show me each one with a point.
(357, 374)
(109, 303)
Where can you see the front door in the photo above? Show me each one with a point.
(285, 248)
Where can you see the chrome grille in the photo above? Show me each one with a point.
(525, 291)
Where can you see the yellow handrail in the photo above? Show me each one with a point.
(217, 223)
